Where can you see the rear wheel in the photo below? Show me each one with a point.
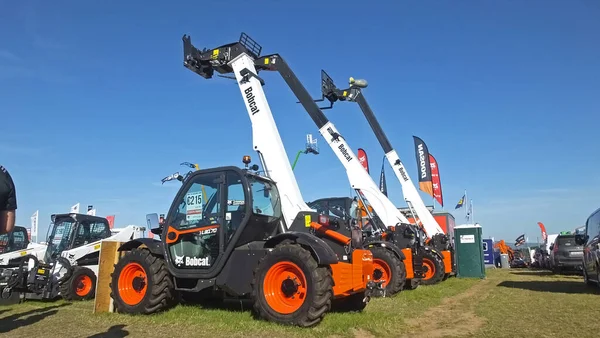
(81, 284)
(434, 268)
(390, 270)
(289, 287)
(141, 283)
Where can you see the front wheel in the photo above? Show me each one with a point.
(289, 287)
(141, 283)
(389, 270)
(81, 285)
(434, 266)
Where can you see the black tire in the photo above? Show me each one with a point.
(353, 303)
(80, 285)
(159, 294)
(412, 284)
(394, 266)
(319, 287)
(438, 265)
(446, 275)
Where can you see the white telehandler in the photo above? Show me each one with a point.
(436, 238)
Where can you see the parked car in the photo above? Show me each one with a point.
(590, 240)
(566, 254)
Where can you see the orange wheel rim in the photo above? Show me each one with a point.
(83, 286)
(132, 284)
(430, 268)
(381, 272)
(285, 287)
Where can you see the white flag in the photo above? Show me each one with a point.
(34, 226)
(75, 208)
(91, 212)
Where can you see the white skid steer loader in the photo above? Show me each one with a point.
(69, 265)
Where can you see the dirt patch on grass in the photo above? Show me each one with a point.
(454, 317)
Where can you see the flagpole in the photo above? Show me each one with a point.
(472, 213)
(466, 207)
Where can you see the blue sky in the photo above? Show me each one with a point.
(97, 107)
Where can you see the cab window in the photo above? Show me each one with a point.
(200, 205)
(265, 198)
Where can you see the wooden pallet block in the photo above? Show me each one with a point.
(109, 256)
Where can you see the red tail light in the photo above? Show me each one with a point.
(323, 220)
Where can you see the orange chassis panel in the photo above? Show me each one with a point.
(349, 278)
(408, 263)
(447, 261)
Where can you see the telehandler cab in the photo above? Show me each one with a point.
(442, 264)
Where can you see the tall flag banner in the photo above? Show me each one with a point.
(111, 221)
(520, 240)
(382, 183)
(423, 166)
(362, 158)
(436, 182)
(91, 211)
(75, 209)
(34, 225)
(544, 234)
(461, 202)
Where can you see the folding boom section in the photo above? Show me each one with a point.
(238, 58)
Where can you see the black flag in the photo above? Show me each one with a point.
(520, 240)
(382, 184)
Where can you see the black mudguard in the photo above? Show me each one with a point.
(320, 250)
(155, 246)
(430, 249)
(389, 245)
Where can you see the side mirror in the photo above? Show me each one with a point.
(581, 239)
(152, 221)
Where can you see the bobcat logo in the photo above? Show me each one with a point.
(179, 260)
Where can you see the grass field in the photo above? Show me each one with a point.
(508, 303)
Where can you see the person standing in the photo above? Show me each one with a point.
(8, 202)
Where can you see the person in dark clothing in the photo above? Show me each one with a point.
(8, 202)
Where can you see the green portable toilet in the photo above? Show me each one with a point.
(469, 251)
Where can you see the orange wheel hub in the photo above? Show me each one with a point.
(381, 271)
(132, 284)
(285, 287)
(430, 268)
(83, 286)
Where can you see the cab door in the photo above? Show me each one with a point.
(194, 233)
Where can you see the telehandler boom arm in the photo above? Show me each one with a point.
(243, 59)
(411, 195)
